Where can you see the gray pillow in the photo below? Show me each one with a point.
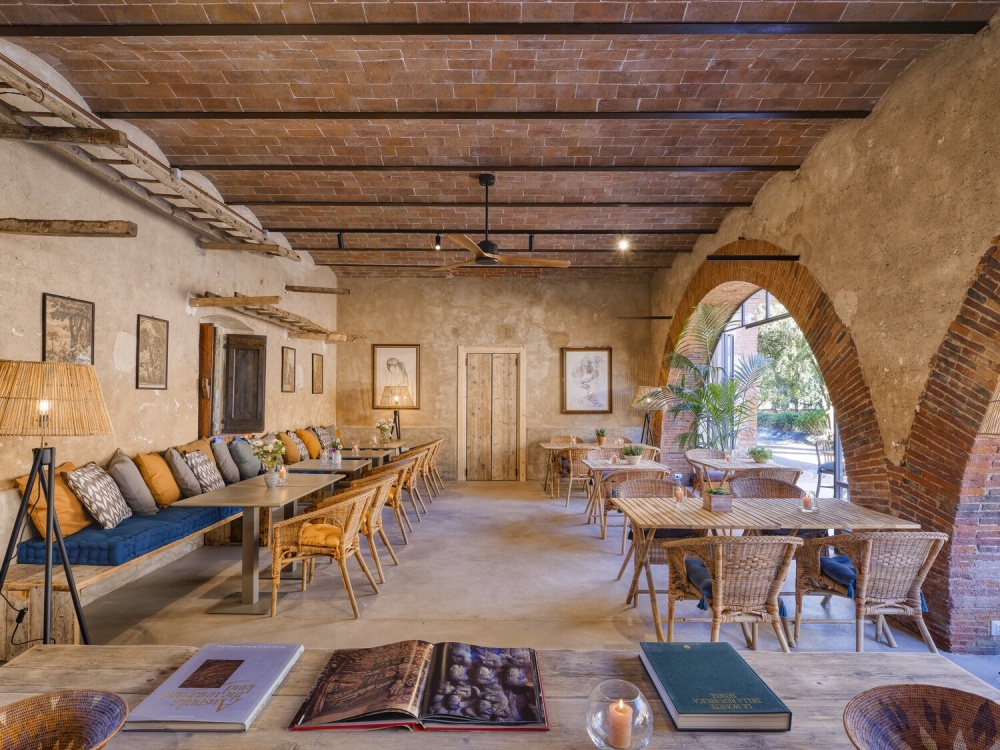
(99, 494)
(242, 454)
(183, 475)
(227, 467)
(126, 475)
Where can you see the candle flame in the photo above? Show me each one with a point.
(621, 704)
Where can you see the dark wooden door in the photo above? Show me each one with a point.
(245, 370)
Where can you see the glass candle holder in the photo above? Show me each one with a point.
(808, 503)
(618, 716)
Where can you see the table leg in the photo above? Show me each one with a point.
(248, 600)
(652, 600)
(642, 539)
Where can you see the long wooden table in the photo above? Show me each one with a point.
(651, 513)
(815, 686)
(730, 469)
(554, 449)
(351, 467)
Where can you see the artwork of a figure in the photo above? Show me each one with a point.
(396, 366)
(397, 372)
(586, 372)
(586, 380)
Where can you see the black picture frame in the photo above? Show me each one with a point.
(67, 329)
(152, 352)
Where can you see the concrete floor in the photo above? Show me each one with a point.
(497, 564)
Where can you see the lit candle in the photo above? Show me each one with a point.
(620, 725)
(282, 471)
(678, 495)
(807, 502)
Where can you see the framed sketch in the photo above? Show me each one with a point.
(151, 353)
(396, 365)
(287, 369)
(317, 373)
(586, 380)
(67, 330)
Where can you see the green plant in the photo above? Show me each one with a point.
(268, 452)
(718, 407)
(760, 453)
(632, 450)
(600, 432)
(718, 491)
(811, 421)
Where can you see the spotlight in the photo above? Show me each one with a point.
(531, 243)
(437, 242)
(340, 240)
(623, 244)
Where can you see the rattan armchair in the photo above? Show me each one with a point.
(785, 475)
(418, 455)
(371, 521)
(701, 474)
(755, 486)
(745, 573)
(425, 473)
(889, 569)
(574, 470)
(653, 486)
(330, 531)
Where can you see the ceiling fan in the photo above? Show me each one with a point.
(485, 252)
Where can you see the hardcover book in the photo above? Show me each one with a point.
(222, 688)
(423, 685)
(708, 686)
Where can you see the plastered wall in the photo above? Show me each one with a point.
(151, 274)
(541, 315)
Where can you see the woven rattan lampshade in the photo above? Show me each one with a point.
(396, 397)
(641, 391)
(70, 393)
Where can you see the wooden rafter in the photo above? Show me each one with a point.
(316, 289)
(63, 228)
(240, 301)
(268, 248)
(297, 325)
(81, 136)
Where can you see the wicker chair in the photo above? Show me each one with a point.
(824, 462)
(434, 474)
(425, 474)
(753, 486)
(785, 475)
(419, 456)
(609, 489)
(371, 521)
(331, 531)
(700, 473)
(574, 470)
(650, 453)
(653, 486)
(399, 469)
(745, 573)
(889, 569)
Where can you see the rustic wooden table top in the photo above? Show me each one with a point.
(252, 493)
(815, 686)
(736, 465)
(597, 465)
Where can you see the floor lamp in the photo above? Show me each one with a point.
(639, 403)
(48, 399)
(396, 397)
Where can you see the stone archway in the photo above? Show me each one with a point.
(729, 283)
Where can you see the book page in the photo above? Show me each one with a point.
(361, 682)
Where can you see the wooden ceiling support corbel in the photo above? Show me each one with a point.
(268, 248)
(240, 301)
(316, 289)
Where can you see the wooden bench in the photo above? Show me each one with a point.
(25, 586)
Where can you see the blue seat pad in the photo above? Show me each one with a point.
(133, 537)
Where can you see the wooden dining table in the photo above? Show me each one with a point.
(554, 449)
(730, 469)
(600, 470)
(351, 467)
(647, 514)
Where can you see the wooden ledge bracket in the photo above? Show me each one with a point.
(55, 228)
(316, 289)
(232, 301)
(268, 248)
(80, 136)
(296, 325)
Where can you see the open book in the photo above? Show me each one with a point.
(417, 684)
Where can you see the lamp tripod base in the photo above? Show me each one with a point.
(647, 431)
(395, 423)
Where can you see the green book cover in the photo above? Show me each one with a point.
(708, 686)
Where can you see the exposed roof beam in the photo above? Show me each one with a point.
(494, 29)
(505, 250)
(281, 114)
(316, 289)
(70, 228)
(510, 204)
(479, 230)
(473, 168)
(82, 136)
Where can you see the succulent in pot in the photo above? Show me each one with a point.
(632, 454)
(601, 434)
(760, 454)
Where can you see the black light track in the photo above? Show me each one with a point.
(473, 168)
(618, 232)
(512, 204)
(755, 258)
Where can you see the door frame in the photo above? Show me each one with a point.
(522, 395)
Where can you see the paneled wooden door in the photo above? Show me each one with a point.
(492, 415)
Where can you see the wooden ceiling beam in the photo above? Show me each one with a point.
(79, 136)
(495, 168)
(316, 289)
(240, 301)
(249, 247)
(69, 228)
(509, 204)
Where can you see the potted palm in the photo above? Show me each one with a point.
(601, 435)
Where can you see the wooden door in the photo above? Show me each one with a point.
(491, 416)
(206, 376)
(245, 370)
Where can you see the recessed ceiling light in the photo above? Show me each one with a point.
(623, 244)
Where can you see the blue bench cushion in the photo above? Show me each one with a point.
(128, 540)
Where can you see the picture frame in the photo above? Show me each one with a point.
(317, 374)
(152, 341)
(67, 330)
(586, 380)
(287, 369)
(395, 365)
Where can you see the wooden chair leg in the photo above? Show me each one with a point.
(621, 570)
(625, 525)
(926, 634)
(716, 630)
(275, 581)
(670, 619)
(365, 570)
(779, 631)
(748, 635)
(385, 541)
(413, 502)
(859, 626)
(398, 511)
(347, 585)
(888, 633)
(378, 564)
(437, 476)
(798, 614)
(652, 602)
(402, 512)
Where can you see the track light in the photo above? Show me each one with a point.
(623, 244)
(531, 243)
(437, 242)
(340, 240)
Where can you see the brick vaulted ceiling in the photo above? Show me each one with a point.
(649, 120)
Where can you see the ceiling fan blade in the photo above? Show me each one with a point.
(510, 260)
(453, 266)
(468, 244)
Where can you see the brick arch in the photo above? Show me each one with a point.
(832, 345)
(951, 470)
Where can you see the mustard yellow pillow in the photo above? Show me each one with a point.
(198, 445)
(312, 442)
(291, 450)
(320, 535)
(156, 474)
(71, 514)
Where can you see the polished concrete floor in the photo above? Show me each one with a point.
(497, 564)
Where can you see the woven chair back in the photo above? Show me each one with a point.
(646, 488)
(890, 564)
(651, 454)
(383, 484)
(697, 454)
(575, 456)
(560, 439)
(602, 454)
(764, 487)
(785, 475)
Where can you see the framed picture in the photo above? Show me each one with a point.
(396, 365)
(151, 353)
(317, 373)
(586, 380)
(67, 330)
(287, 369)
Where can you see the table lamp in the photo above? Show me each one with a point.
(49, 399)
(396, 397)
(639, 402)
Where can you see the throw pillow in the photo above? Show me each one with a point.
(325, 437)
(197, 445)
(204, 471)
(224, 460)
(183, 475)
(126, 475)
(156, 474)
(99, 494)
(69, 510)
(242, 454)
(292, 455)
(310, 441)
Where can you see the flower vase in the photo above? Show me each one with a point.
(271, 478)
(335, 457)
(383, 436)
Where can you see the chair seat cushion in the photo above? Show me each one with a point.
(671, 534)
(827, 467)
(699, 577)
(320, 535)
(841, 570)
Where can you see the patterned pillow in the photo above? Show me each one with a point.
(325, 438)
(99, 494)
(303, 451)
(205, 472)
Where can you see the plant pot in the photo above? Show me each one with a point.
(760, 459)
(632, 460)
(717, 503)
(601, 440)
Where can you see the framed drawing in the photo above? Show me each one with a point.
(67, 330)
(586, 380)
(151, 353)
(317, 373)
(287, 369)
(396, 365)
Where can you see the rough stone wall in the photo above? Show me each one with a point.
(151, 275)
(542, 316)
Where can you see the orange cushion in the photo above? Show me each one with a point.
(198, 445)
(291, 450)
(70, 512)
(156, 474)
(312, 442)
(320, 535)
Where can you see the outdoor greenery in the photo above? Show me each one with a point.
(793, 381)
(811, 422)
